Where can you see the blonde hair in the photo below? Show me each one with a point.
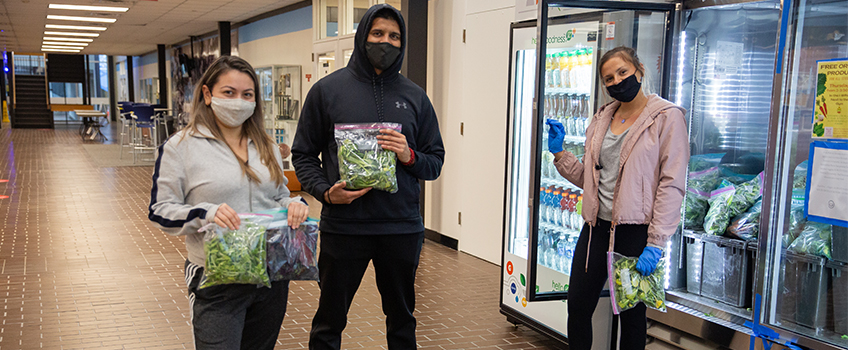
(252, 128)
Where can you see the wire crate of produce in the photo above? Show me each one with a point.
(725, 275)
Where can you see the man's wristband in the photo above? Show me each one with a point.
(327, 196)
(411, 158)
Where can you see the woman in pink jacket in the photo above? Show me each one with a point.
(633, 176)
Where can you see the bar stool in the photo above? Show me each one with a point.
(143, 115)
(127, 126)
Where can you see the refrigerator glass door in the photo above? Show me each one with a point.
(568, 92)
(724, 74)
(807, 292)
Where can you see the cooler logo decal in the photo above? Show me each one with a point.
(512, 284)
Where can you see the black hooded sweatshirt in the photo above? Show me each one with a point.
(356, 94)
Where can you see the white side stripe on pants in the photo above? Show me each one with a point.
(190, 272)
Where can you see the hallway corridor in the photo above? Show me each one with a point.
(81, 267)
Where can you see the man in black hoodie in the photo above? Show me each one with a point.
(369, 225)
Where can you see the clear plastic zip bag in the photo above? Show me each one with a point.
(628, 287)
(362, 161)
(236, 256)
(293, 253)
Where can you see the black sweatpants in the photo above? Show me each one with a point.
(341, 265)
(586, 284)
(235, 316)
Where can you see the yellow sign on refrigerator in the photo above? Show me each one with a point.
(830, 116)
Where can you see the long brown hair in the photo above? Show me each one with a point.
(252, 128)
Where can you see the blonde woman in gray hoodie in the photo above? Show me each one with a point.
(221, 164)
(633, 176)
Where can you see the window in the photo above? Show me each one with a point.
(328, 17)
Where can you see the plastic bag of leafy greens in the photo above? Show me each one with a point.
(698, 190)
(797, 222)
(292, 253)
(236, 256)
(799, 179)
(628, 287)
(718, 217)
(362, 161)
(815, 239)
(746, 226)
(746, 195)
(704, 161)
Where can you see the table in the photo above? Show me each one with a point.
(91, 123)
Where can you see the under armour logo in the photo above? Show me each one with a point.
(399, 104)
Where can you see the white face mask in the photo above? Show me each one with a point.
(232, 111)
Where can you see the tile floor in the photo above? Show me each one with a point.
(81, 267)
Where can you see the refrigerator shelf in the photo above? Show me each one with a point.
(548, 182)
(567, 91)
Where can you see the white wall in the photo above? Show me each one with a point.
(293, 48)
(470, 87)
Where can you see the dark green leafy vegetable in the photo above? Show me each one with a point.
(728, 201)
(630, 287)
(362, 160)
(702, 162)
(815, 239)
(699, 186)
(236, 257)
(371, 168)
(797, 221)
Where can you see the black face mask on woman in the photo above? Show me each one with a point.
(625, 90)
(381, 55)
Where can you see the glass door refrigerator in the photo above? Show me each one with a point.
(543, 209)
(762, 241)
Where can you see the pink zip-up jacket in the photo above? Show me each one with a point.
(651, 174)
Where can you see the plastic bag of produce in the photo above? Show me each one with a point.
(628, 287)
(362, 161)
(718, 216)
(746, 226)
(815, 239)
(236, 256)
(797, 221)
(704, 161)
(292, 253)
(730, 200)
(799, 179)
(698, 190)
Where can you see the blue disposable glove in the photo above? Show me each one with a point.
(556, 134)
(647, 262)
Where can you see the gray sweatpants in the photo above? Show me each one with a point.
(235, 316)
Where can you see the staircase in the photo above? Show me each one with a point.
(31, 108)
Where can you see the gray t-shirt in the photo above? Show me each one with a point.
(610, 159)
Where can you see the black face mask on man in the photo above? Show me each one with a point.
(625, 90)
(381, 55)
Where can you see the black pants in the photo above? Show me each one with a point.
(235, 316)
(341, 265)
(586, 285)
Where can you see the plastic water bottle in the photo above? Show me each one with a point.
(554, 208)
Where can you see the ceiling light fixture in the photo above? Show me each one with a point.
(88, 8)
(90, 35)
(58, 50)
(53, 38)
(59, 26)
(61, 47)
(83, 19)
(63, 43)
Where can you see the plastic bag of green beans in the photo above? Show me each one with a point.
(362, 161)
(236, 256)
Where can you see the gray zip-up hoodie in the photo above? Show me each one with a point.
(195, 174)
